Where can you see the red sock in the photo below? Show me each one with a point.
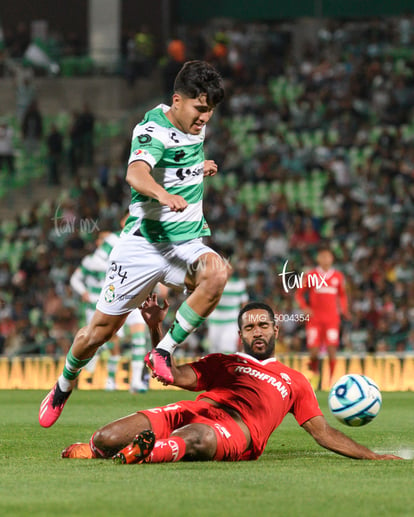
(166, 450)
(314, 365)
(332, 363)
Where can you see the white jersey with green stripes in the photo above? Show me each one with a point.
(177, 163)
(227, 310)
(90, 275)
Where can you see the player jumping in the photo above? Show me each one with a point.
(161, 241)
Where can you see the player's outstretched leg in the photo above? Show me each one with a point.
(86, 343)
(207, 276)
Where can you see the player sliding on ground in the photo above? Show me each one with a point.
(161, 241)
(246, 397)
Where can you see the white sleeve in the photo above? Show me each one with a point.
(76, 282)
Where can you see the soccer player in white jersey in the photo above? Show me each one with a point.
(244, 398)
(222, 322)
(87, 281)
(161, 241)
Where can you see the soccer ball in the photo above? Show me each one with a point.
(355, 400)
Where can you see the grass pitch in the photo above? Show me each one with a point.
(294, 477)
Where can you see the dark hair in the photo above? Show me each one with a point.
(198, 77)
(252, 306)
(324, 247)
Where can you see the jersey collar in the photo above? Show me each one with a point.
(251, 358)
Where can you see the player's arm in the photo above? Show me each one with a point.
(301, 299)
(154, 314)
(78, 285)
(335, 441)
(139, 178)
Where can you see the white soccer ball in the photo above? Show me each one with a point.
(355, 400)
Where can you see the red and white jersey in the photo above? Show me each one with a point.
(326, 295)
(262, 392)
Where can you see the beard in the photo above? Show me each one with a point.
(267, 352)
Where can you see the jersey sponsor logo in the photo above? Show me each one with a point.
(183, 173)
(281, 388)
(173, 137)
(142, 154)
(179, 155)
(144, 139)
(286, 377)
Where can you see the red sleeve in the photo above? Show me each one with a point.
(300, 298)
(343, 298)
(306, 404)
(205, 370)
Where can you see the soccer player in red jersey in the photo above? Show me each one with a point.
(323, 297)
(246, 397)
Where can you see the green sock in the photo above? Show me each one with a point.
(73, 366)
(186, 320)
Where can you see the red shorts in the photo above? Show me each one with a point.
(231, 442)
(318, 334)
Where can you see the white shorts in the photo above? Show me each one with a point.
(223, 338)
(136, 266)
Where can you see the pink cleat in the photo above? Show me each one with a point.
(159, 361)
(52, 406)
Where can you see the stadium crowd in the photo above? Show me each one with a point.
(310, 150)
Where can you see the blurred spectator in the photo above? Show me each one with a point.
(25, 93)
(55, 155)
(32, 128)
(176, 55)
(86, 123)
(6, 147)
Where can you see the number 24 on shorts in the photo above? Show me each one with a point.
(117, 270)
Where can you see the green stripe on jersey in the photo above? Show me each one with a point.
(130, 222)
(191, 193)
(221, 322)
(227, 307)
(98, 275)
(234, 293)
(155, 231)
(106, 247)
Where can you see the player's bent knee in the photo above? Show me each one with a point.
(200, 440)
(100, 334)
(105, 444)
(214, 279)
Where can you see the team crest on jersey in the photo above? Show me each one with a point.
(286, 378)
(109, 294)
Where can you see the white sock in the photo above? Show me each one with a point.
(167, 343)
(66, 384)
